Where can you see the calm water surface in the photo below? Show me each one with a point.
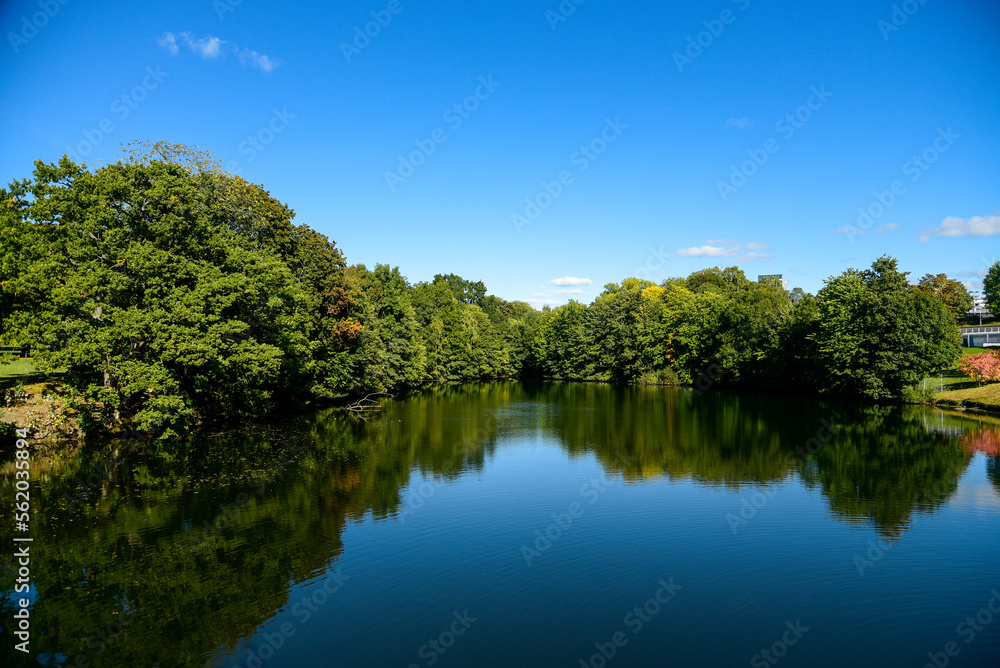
(530, 525)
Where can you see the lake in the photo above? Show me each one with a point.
(512, 524)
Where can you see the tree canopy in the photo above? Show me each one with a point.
(172, 293)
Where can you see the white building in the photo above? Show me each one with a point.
(780, 277)
(979, 308)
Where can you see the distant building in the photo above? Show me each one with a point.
(780, 277)
(979, 308)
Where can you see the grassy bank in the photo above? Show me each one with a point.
(962, 392)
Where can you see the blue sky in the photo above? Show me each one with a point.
(592, 141)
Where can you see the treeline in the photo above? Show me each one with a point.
(171, 293)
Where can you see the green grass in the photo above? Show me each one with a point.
(960, 391)
(17, 368)
(986, 397)
(22, 371)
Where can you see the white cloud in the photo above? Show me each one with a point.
(260, 61)
(740, 252)
(168, 42)
(214, 47)
(571, 291)
(571, 280)
(538, 303)
(207, 47)
(979, 226)
(886, 228)
(743, 123)
(708, 251)
(848, 230)
(975, 274)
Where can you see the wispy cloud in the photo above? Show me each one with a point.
(258, 60)
(708, 251)
(214, 47)
(169, 42)
(206, 47)
(743, 123)
(538, 303)
(571, 291)
(857, 230)
(740, 252)
(978, 226)
(571, 280)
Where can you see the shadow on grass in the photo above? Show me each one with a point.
(955, 380)
(14, 371)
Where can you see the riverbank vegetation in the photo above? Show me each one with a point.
(169, 293)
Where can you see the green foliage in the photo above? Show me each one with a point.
(172, 293)
(948, 291)
(991, 289)
(153, 304)
(465, 291)
(878, 335)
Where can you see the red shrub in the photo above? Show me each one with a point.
(985, 366)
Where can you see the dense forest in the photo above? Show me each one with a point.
(170, 293)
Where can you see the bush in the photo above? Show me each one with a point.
(661, 377)
(985, 366)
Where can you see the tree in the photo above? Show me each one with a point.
(991, 289)
(389, 352)
(878, 335)
(948, 291)
(465, 291)
(983, 366)
(559, 348)
(161, 314)
(716, 279)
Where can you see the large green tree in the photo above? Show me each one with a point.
(878, 335)
(162, 314)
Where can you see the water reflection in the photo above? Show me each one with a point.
(148, 556)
